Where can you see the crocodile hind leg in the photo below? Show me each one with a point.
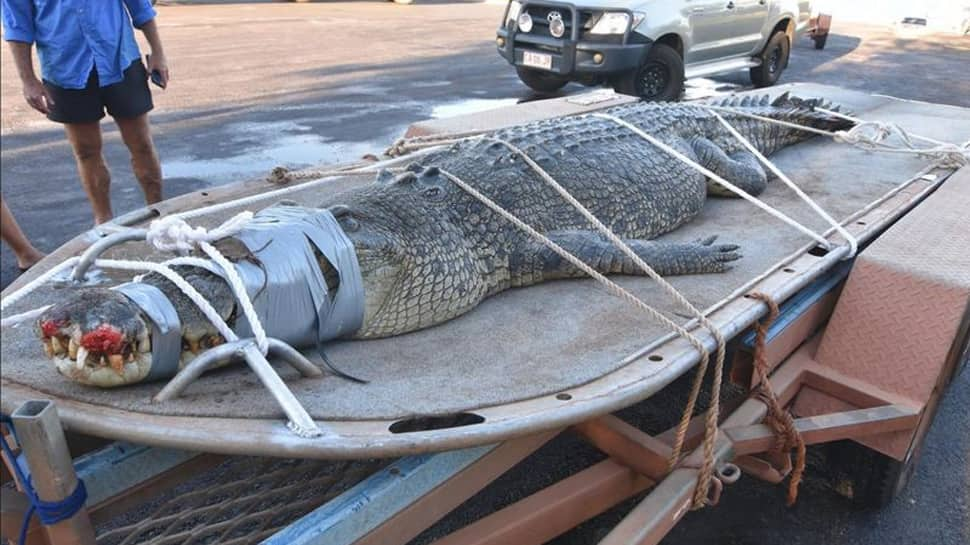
(535, 262)
(741, 168)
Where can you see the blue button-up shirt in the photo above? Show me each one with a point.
(72, 36)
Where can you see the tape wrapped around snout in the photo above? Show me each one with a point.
(166, 328)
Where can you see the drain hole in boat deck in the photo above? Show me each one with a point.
(788, 270)
(818, 251)
(563, 397)
(860, 223)
(656, 357)
(428, 423)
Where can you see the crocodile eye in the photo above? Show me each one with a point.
(349, 224)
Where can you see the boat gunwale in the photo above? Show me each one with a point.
(635, 380)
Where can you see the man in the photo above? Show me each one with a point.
(90, 63)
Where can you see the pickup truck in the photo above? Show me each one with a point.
(647, 48)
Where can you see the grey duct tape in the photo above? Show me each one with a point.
(286, 283)
(166, 327)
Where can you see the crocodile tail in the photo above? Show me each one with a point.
(806, 112)
(788, 108)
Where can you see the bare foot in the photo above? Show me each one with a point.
(29, 258)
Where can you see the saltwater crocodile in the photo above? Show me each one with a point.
(429, 252)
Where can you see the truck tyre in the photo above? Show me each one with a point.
(774, 59)
(820, 40)
(660, 77)
(543, 82)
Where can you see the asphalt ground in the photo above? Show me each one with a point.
(260, 85)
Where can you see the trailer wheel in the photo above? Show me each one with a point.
(868, 478)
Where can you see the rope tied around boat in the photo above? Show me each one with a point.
(787, 437)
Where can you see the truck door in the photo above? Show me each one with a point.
(724, 28)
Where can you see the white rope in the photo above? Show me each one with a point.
(37, 282)
(853, 242)
(181, 283)
(728, 185)
(172, 233)
(713, 411)
(871, 136)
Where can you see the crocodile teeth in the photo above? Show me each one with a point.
(56, 345)
(47, 348)
(144, 345)
(72, 348)
(117, 362)
(82, 356)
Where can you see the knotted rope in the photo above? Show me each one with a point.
(174, 234)
(778, 419)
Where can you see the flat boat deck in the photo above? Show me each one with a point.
(526, 360)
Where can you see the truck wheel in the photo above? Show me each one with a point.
(543, 82)
(820, 40)
(660, 76)
(774, 59)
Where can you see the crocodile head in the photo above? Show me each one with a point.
(97, 336)
(415, 264)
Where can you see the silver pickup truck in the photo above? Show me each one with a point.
(648, 48)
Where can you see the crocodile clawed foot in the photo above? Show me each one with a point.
(706, 257)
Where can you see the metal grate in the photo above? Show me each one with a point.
(242, 501)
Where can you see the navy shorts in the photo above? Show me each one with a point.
(126, 99)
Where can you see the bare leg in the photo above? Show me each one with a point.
(144, 161)
(85, 139)
(26, 254)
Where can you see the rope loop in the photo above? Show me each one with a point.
(781, 422)
(174, 234)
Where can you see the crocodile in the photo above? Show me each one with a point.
(429, 252)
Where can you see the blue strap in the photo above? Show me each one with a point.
(49, 512)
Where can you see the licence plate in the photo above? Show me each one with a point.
(537, 60)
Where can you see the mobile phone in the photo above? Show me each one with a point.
(155, 76)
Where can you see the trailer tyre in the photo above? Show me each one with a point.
(868, 478)
(543, 82)
(774, 60)
(660, 77)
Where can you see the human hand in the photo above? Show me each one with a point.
(158, 63)
(37, 96)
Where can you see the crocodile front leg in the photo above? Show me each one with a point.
(741, 168)
(536, 263)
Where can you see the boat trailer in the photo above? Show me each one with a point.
(863, 353)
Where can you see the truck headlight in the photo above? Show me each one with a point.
(525, 21)
(513, 13)
(615, 22)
